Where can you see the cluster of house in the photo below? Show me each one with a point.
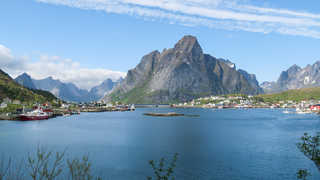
(102, 107)
(6, 101)
(219, 102)
(247, 102)
(94, 104)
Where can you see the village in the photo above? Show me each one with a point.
(16, 110)
(243, 101)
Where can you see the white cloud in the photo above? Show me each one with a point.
(63, 69)
(5, 53)
(8, 61)
(222, 14)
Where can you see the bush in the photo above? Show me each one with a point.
(163, 171)
(310, 147)
(46, 165)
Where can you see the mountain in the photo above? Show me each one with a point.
(26, 81)
(104, 88)
(252, 79)
(11, 89)
(295, 78)
(181, 74)
(67, 91)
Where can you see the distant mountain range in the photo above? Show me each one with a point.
(178, 74)
(295, 78)
(67, 91)
(13, 90)
(181, 74)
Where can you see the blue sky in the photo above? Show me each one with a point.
(104, 37)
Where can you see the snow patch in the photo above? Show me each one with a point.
(306, 80)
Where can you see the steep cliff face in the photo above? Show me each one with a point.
(295, 78)
(180, 74)
(252, 79)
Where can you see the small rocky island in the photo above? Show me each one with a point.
(163, 114)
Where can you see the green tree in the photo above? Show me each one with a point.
(310, 147)
(163, 171)
(44, 166)
(303, 174)
(80, 169)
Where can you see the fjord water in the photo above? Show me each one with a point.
(220, 144)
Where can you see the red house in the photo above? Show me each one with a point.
(315, 107)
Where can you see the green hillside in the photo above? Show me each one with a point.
(9, 88)
(294, 95)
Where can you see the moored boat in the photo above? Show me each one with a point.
(286, 111)
(36, 114)
(132, 107)
(303, 111)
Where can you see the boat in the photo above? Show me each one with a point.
(286, 111)
(132, 107)
(36, 114)
(75, 112)
(303, 111)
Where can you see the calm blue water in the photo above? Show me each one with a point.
(220, 144)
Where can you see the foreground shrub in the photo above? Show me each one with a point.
(46, 165)
(163, 171)
(310, 147)
(80, 169)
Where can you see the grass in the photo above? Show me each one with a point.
(293, 95)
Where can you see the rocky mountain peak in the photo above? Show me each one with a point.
(295, 78)
(25, 80)
(188, 44)
(25, 75)
(293, 69)
(228, 62)
(107, 81)
(317, 63)
(49, 78)
(180, 74)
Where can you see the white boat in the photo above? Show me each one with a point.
(303, 111)
(286, 111)
(132, 107)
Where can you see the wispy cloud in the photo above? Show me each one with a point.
(221, 14)
(64, 69)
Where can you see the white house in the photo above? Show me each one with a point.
(3, 105)
(16, 102)
(7, 100)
